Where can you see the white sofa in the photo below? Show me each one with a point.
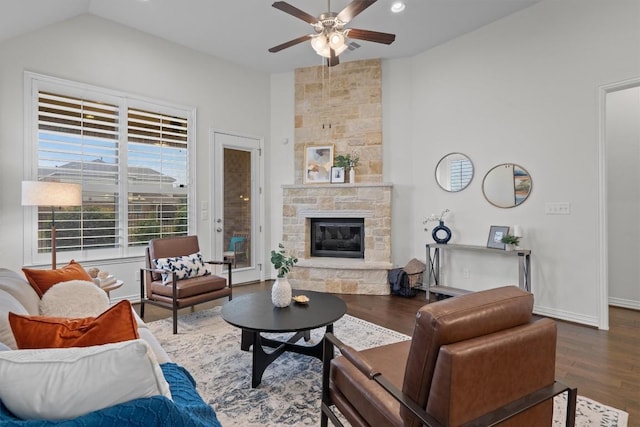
(17, 296)
(129, 383)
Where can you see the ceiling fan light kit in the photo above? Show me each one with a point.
(330, 38)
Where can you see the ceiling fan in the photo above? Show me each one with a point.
(330, 37)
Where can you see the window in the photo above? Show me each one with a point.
(132, 156)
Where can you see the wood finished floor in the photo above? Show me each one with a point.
(604, 365)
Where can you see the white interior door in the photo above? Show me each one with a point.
(237, 231)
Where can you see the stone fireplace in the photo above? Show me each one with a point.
(341, 106)
(369, 201)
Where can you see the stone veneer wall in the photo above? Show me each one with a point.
(341, 106)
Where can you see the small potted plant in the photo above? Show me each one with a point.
(510, 241)
(281, 289)
(348, 163)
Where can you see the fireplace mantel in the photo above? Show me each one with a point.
(336, 186)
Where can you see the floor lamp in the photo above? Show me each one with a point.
(51, 194)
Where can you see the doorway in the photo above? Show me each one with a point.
(619, 200)
(237, 233)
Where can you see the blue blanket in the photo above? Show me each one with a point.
(186, 410)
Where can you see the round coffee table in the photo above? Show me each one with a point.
(254, 313)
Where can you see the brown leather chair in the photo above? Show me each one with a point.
(476, 359)
(179, 293)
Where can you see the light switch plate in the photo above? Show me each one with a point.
(557, 208)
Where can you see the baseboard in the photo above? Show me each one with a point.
(566, 315)
(624, 303)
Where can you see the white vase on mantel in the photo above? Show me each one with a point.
(352, 176)
(281, 292)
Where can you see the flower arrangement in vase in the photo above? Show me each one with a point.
(348, 162)
(281, 289)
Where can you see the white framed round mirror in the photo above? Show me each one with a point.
(507, 185)
(454, 172)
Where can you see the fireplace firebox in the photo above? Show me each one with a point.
(337, 237)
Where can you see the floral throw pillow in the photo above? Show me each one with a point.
(184, 266)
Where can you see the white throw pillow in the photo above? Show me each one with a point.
(62, 383)
(74, 299)
(9, 304)
(185, 266)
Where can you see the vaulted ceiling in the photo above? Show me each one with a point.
(241, 31)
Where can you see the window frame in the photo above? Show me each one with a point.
(33, 84)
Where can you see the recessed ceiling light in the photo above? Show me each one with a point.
(398, 6)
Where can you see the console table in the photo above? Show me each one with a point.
(434, 254)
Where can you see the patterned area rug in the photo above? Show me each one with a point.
(291, 387)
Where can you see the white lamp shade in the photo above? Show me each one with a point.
(336, 40)
(41, 193)
(319, 43)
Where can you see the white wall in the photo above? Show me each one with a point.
(522, 90)
(280, 158)
(92, 50)
(623, 196)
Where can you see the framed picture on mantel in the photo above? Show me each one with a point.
(318, 160)
(337, 174)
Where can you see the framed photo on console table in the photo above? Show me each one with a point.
(318, 160)
(496, 233)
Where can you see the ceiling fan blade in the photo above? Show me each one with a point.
(353, 9)
(292, 10)
(371, 36)
(333, 60)
(290, 43)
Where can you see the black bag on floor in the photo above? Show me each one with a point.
(399, 282)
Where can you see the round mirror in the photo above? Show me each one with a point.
(507, 185)
(454, 172)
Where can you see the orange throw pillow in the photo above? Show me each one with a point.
(114, 325)
(42, 280)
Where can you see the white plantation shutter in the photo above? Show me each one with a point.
(133, 164)
(157, 175)
(78, 142)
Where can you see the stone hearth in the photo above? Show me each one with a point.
(371, 201)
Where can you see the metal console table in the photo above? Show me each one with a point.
(433, 267)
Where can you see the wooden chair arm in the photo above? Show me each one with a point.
(490, 419)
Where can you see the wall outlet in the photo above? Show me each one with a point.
(557, 208)
(465, 273)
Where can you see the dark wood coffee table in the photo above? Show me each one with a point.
(254, 313)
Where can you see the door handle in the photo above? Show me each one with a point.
(219, 229)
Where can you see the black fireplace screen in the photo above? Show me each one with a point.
(337, 237)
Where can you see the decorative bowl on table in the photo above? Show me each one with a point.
(301, 299)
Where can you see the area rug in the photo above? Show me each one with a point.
(291, 387)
